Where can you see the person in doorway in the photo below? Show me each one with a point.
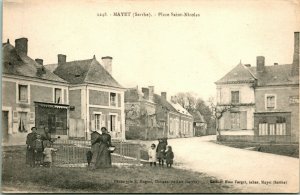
(104, 155)
(152, 155)
(31, 137)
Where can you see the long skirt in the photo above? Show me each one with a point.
(30, 156)
(104, 157)
(95, 151)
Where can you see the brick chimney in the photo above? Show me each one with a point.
(21, 46)
(151, 92)
(174, 99)
(61, 59)
(107, 63)
(260, 63)
(39, 61)
(295, 67)
(164, 95)
(146, 93)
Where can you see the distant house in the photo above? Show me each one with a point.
(268, 94)
(199, 125)
(31, 96)
(96, 98)
(152, 116)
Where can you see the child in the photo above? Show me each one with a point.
(48, 155)
(89, 156)
(152, 155)
(169, 156)
(38, 150)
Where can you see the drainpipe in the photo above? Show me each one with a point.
(87, 113)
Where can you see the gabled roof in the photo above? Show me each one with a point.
(180, 109)
(164, 103)
(239, 74)
(275, 75)
(86, 71)
(22, 65)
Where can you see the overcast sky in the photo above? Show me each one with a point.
(175, 54)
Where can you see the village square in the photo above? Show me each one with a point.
(73, 126)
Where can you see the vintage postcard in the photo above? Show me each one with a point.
(128, 96)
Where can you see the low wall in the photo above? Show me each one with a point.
(256, 139)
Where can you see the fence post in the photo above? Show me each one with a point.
(138, 154)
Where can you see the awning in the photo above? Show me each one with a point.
(52, 105)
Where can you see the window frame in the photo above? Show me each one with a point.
(18, 93)
(61, 95)
(100, 120)
(266, 101)
(231, 95)
(115, 99)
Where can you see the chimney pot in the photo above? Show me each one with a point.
(260, 63)
(107, 63)
(21, 46)
(164, 95)
(61, 59)
(146, 93)
(151, 92)
(39, 61)
(7, 40)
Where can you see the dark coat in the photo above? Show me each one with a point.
(161, 148)
(169, 157)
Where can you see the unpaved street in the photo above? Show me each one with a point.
(239, 166)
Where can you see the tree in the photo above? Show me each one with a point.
(218, 112)
(192, 104)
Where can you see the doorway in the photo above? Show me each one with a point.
(5, 126)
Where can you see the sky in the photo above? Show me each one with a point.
(174, 54)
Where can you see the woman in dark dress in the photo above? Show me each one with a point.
(104, 156)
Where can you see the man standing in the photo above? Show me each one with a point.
(31, 137)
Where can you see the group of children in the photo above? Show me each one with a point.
(39, 150)
(163, 153)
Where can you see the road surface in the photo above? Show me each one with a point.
(250, 171)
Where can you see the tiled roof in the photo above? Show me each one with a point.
(164, 103)
(86, 71)
(22, 65)
(180, 109)
(272, 75)
(239, 74)
(275, 75)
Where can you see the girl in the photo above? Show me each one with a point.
(152, 155)
(169, 156)
(48, 155)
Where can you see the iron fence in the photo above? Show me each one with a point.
(74, 152)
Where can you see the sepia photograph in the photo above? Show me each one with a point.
(129, 96)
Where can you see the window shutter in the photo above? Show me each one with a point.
(102, 119)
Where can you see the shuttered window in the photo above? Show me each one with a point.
(235, 97)
(23, 93)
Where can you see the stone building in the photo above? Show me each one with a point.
(96, 98)
(152, 116)
(269, 94)
(31, 96)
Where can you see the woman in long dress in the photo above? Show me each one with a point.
(103, 159)
(95, 141)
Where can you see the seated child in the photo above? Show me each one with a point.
(169, 156)
(152, 155)
(38, 150)
(89, 156)
(48, 155)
